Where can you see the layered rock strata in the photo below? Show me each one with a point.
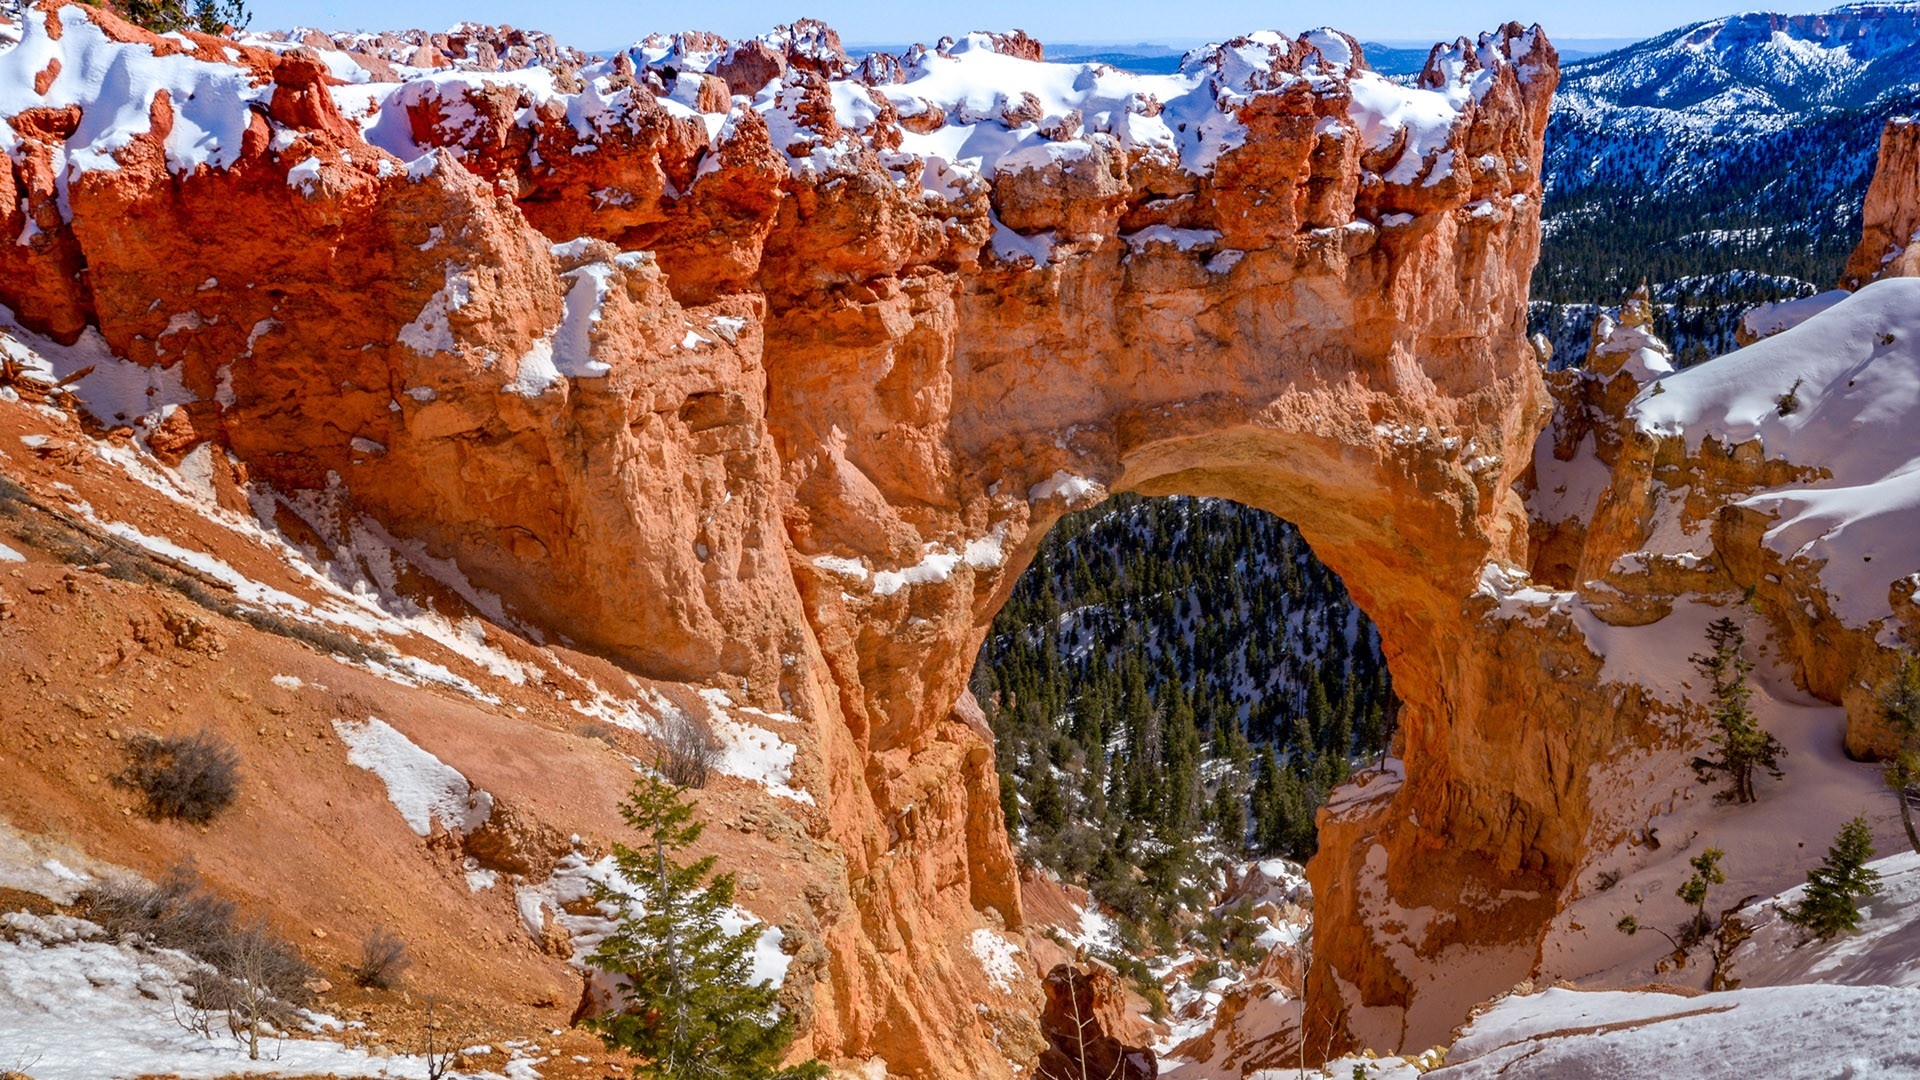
(748, 366)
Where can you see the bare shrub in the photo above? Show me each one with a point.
(257, 980)
(176, 913)
(383, 957)
(1789, 403)
(686, 750)
(183, 777)
(440, 1043)
(252, 976)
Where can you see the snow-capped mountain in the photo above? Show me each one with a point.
(1741, 144)
(1749, 66)
(1688, 96)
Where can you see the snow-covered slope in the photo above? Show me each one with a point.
(75, 1005)
(1827, 403)
(1798, 1031)
(1761, 61)
(1805, 1008)
(1885, 951)
(1837, 393)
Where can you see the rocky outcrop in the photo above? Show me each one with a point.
(1690, 498)
(1085, 1009)
(468, 46)
(1891, 214)
(779, 399)
(1769, 487)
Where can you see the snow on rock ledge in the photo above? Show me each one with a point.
(1060, 146)
(1834, 396)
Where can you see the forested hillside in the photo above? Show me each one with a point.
(1176, 680)
(1773, 221)
(1724, 162)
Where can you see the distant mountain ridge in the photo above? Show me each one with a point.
(1729, 156)
(1746, 67)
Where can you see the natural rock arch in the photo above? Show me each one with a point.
(802, 446)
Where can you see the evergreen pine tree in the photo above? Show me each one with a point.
(1048, 808)
(1265, 794)
(166, 16)
(1903, 778)
(689, 1006)
(1303, 740)
(1319, 710)
(1900, 704)
(1230, 818)
(1293, 818)
(1340, 738)
(1744, 745)
(1118, 797)
(1009, 801)
(1841, 879)
(1181, 764)
(1372, 729)
(1706, 874)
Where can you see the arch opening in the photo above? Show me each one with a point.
(1175, 685)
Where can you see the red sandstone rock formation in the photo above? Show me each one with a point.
(781, 400)
(1084, 1011)
(469, 46)
(1891, 215)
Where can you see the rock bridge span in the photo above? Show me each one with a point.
(753, 367)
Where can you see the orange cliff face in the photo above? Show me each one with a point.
(748, 367)
(1891, 215)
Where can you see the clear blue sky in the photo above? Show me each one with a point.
(609, 25)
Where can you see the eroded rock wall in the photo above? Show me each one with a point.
(760, 393)
(1891, 214)
(1765, 487)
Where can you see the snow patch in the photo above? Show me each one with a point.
(1733, 1035)
(1766, 320)
(751, 752)
(939, 563)
(76, 1006)
(998, 958)
(422, 787)
(1064, 485)
(430, 332)
(305, 177)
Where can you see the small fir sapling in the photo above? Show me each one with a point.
(1744, 745)
(1900, 706)
(689, 1005)
(1830, 906)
